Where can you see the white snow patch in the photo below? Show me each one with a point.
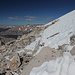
(64, 65)
(15, 73)
(69, 47)
(21, 70)
(32, 45)
(20, 51)
(38, 51)
(29, 52)
(60, 32)
(7, 57)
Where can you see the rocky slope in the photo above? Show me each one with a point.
(13, 55)
(53, 41)
(61, 36)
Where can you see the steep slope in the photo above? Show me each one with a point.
(58, 34)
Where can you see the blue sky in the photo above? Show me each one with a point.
(20, 12)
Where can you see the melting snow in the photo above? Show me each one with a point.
(61, 66)
(7, 57)
(54, 36)
(32, 45)
(14, 73)
(65, 29)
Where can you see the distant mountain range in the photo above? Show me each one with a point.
(12, 32)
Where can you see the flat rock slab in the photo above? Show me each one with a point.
(45, 54)
(73, 51)
(15, 63)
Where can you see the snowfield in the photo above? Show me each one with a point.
(61, 66)
(60, 32)
(56, 35)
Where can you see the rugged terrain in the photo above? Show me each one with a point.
(13, 48)
(9, 33)
(42, 50)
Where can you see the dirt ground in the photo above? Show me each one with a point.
(45, 54)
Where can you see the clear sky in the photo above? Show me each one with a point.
(20, 12)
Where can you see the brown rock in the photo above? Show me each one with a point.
(15, 63)
(2, 47)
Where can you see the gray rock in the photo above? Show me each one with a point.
(0, 43)
(8, 73)
(73, 51)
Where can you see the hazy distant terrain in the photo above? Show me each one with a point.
(9, 33)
